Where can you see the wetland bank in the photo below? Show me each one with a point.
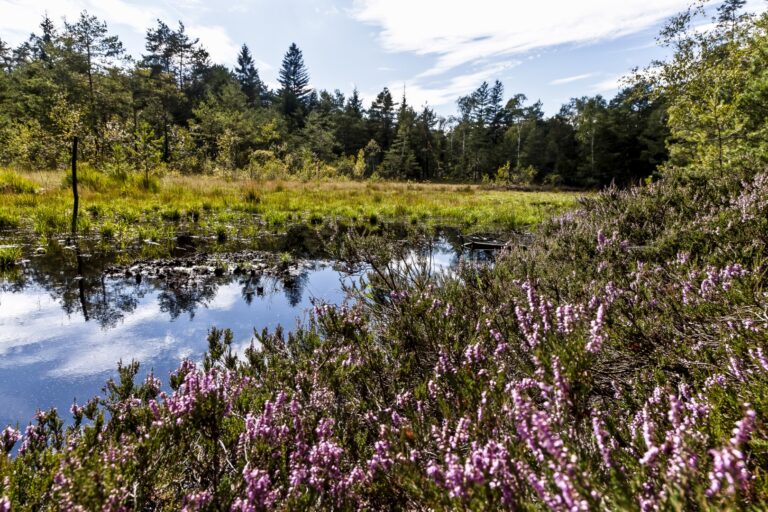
(146, 277)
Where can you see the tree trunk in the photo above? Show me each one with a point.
(74, 186)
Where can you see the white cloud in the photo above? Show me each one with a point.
(19, 18)
(220, 46)
(447, 91)
(569, 79)
(459, 34)
(610, 85)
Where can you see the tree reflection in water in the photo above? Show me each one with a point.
(75, 277)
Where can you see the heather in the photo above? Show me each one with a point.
(616, 361)
(629, 373)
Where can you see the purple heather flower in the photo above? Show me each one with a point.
(196, 501)
(601, 240)
(605, 442)
(8, 438)
(596, 336)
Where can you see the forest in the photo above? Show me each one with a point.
(171, 108)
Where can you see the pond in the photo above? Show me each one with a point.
(66, 319)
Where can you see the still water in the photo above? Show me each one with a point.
(61, 336)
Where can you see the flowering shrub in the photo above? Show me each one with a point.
(619, 362)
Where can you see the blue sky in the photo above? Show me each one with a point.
(437, 49)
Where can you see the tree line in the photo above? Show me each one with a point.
(173, 108)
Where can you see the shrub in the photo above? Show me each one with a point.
(252, 196)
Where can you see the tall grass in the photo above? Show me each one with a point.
(9, 257)
(110, 200)
(13, 183)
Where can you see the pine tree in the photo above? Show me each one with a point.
(495, 113)
(97, 49)
(248, 77)
(424, 142)
(400, 161)
(382, 119)
(44, 43)
(294, 91)
(355, 104)
(159, 45)
(6, 56)
(350, 130)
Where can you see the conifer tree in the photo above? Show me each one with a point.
(294, 87)
(382, 119)
(248, 77)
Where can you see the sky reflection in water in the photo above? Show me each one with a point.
(50, 355)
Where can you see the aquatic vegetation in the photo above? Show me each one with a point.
(8, 221)
(9, 256)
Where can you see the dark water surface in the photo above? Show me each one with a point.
(62, 335)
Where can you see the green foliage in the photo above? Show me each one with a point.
(88, 178)
(294, 91)
(358, 170)
(522, 176)
(8, 221)
(145, 152)
(710, 86)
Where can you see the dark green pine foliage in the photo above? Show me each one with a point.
(381, 119)
(44, 43)
(400, 160)
(351, 131)
(6, 57)
(294, 90)
(425, 144)
(90, 42)
(248, 77)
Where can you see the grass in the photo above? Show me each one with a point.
(9, 257)
(41, 202)
(13, 183)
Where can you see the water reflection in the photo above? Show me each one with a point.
(52, 352)
(64, 324)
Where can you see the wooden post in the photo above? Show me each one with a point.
(74, 185)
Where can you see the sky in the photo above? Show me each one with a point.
(435, 50)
